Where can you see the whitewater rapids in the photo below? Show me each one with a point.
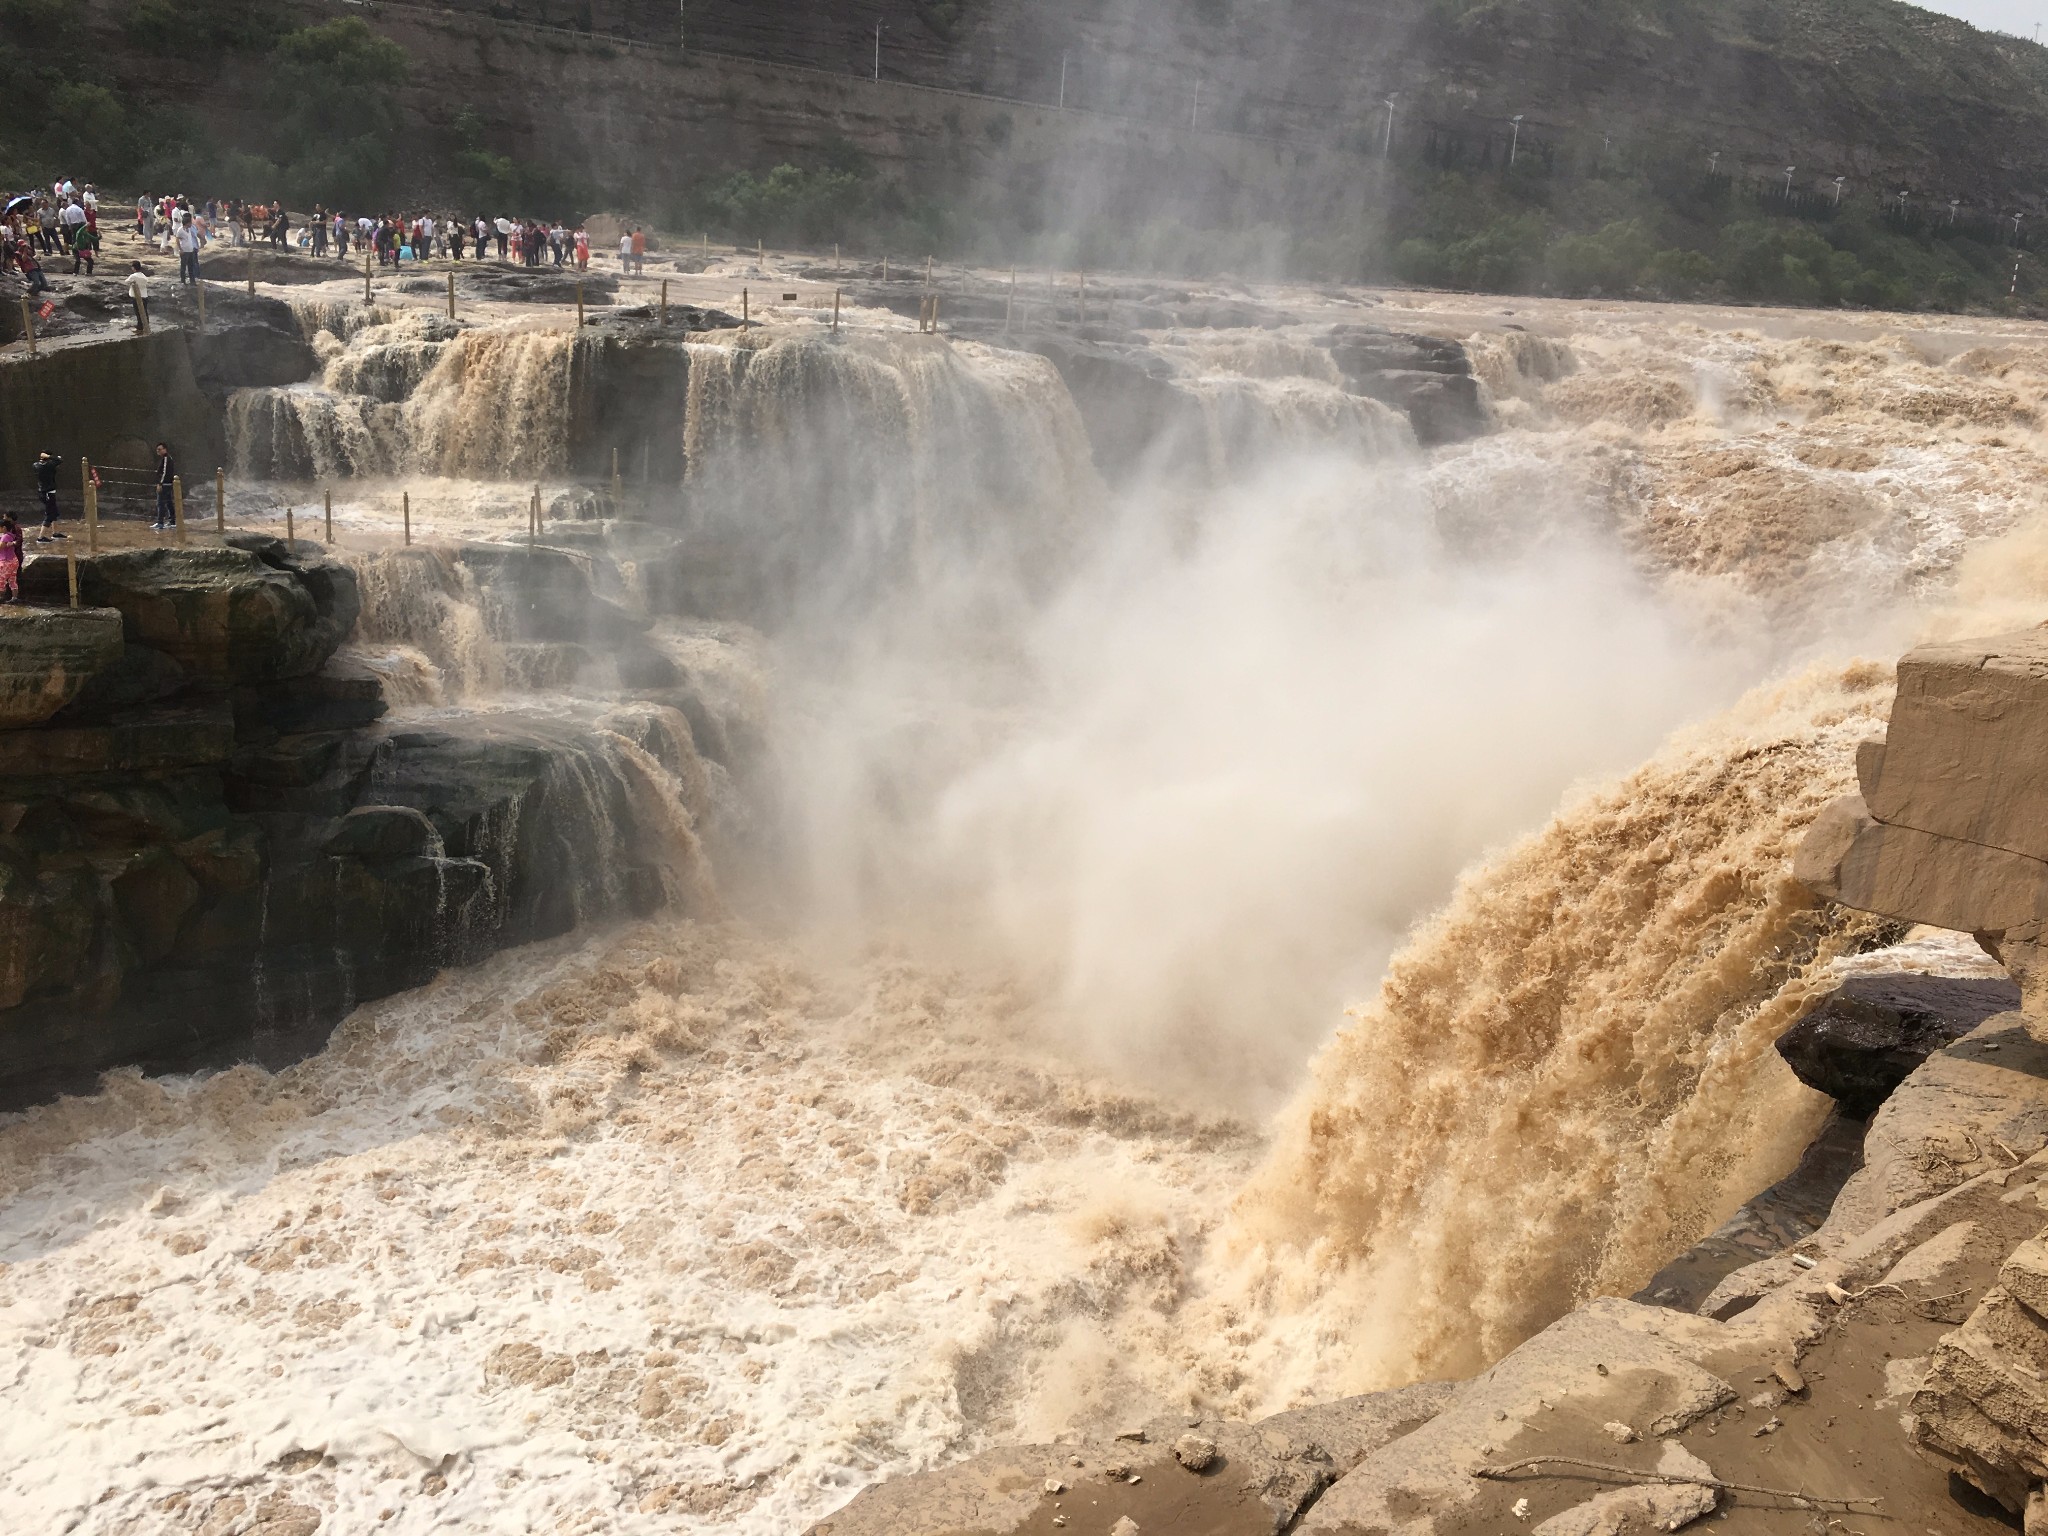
(685, 1226)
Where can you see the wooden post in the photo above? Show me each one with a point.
(92, 510)
(408, 519)
(761, 254)
(178, 505)
(330, 516)
(28, 323)
(220, 499)
(71, 569)
(927, 274)
(664, 301)
(885, 269)
(540, 517)
(746, 312)
(291, 527)
(579, 306)
(451, 295)
(835, 258)
(835, 311)
(366, 276)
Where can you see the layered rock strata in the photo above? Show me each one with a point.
(213, 843)
(1951, 827)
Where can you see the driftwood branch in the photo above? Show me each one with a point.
(1637, 1475)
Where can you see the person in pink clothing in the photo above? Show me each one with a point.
(10, 560)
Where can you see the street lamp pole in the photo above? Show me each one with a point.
(1838, 190)
(1788, 181)
(1714, 163)
(1953, 204)
(1387, 143)
(1515, 144)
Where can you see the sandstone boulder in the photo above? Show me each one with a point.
(1983, 1409)
(48, 655)
(1919, 876)
(1966, 754)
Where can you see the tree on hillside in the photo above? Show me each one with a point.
(335, 90)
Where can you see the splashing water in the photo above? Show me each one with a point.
(682, 1227)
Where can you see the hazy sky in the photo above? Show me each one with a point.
(2015, 16)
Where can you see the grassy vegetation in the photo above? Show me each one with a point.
(1663, 228)
(1653, 224)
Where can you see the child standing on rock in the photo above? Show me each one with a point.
(10, 559)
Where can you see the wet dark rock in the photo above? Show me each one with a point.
(1792, 1209)
(506, 284)
(343, 695)
(150, 740)
(1861, 1042)
(174, 917)
(140, 676)
(1127, 396)
(378, 833)
(48, 656)
(543, 593)
(249, 613)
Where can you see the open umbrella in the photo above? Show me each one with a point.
(26, 200)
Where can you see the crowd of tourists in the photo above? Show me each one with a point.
(65, 222)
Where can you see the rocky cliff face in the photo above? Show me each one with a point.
(1885, 94)
(212, 847)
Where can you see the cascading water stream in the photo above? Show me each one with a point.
(1100, 806)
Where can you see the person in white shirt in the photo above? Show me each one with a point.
(190, 238)
(625, 253)
(504, 237)
(138, 295)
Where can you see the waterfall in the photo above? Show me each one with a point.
(339, 318)
(882, 449)
(1567, 1075)
(414, 397)
(422, 610)
(496, 406)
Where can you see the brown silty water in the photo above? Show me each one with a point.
(1020, 1093)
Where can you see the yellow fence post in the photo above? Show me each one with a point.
(835, 311)
(291, 530)
(220, 500)
(92, 511)
(28, 325)
(71, 567)
(664, 301)
(451, 295)
(330, 515)
(178, 505)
